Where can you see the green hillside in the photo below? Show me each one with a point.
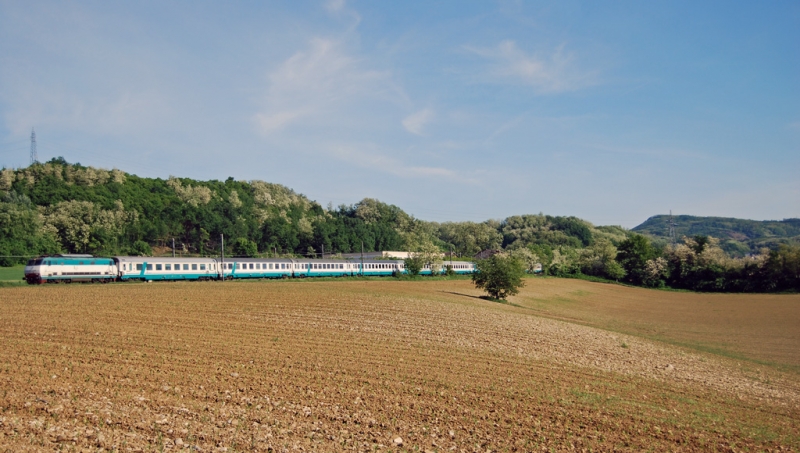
(57, 207)
(738, 237)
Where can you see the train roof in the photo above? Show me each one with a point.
(171, 259)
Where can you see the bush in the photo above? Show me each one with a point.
(141, 248)
(414, 265)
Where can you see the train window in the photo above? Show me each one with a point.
(158, 267)
(283, 265)
(168, 267)
(194, 267)
(202, 267)
(149, 267)
(138, 267)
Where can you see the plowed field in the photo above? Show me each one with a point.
(370, 365)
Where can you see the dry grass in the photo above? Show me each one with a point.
(332, 366)
(759, 327)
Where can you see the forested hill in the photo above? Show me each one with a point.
(60, 207)
(737, 236)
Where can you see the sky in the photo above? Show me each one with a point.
(452, 110)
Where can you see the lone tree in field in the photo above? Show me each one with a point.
(499, 275)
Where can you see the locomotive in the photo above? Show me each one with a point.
(88, 268)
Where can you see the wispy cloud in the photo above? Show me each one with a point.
(415, 122)
(334, 5)
(371, 157)
(320, 79)
(554, 73)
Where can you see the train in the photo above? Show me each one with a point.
(89, 268)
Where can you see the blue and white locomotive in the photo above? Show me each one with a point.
(71, 268)
(88, 268)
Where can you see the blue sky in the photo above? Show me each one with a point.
(452, 110)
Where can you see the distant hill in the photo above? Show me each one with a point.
(738, 237)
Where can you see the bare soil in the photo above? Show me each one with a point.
(362, 366)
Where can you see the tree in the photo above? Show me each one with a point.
(141, 248)
(633, 254)
(499, 275)
(244, 247)
(529, 260)
(413, 264)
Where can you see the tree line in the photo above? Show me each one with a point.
(58, 207)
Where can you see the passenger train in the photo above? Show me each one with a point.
(89, 268)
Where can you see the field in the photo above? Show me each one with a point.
(395, 366)
(763, 328)
(12, 274)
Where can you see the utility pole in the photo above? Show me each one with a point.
(222, 249)
(173, 247)
(451, 256)
(34, 155)
(323, 251)
(362, 258)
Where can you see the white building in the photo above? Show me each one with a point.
(377, 255)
